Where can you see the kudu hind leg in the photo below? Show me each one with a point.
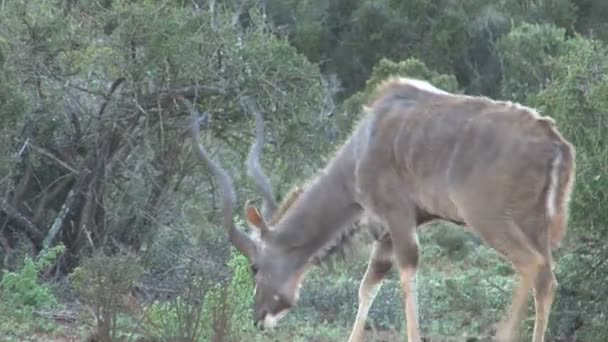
(544, 292)
(508, 239)
(380, 263)
(535, 274)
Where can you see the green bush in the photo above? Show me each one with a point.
(21, 293)
(411, 67)
(22, 289)
(204, 311)
(102, 281)
(526, 54)
(577, 99)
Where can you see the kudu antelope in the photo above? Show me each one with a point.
(417, 154)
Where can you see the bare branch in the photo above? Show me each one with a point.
(58, 222)
(24, 183)
(49, 196)
(165, 97)
(7, 250)
(113, 88)
(14, 214)
(212, 13)
(85, 90)
(25, 144)
(54, 158)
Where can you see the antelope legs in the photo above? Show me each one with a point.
(508, 330)
(538, 277)
(532, 260)
(379, 196)
(380, 262)
(405, 245)
(544, 292)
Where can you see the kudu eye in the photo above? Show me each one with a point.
(254, 268)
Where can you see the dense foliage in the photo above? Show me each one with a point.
(98, 180)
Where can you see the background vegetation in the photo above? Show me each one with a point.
(109, 226)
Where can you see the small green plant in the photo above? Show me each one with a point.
(229, 307)
(21, 294)
(217, 312)
(179, 319)
(21, 288)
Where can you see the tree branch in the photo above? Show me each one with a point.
(188, 92)
(58, 222)
(108, 97)
(14, 214)
(49, 196)
(54, 158)
(24, 183)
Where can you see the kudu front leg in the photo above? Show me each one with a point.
(380, 192)
(405, 249)
(380, 263)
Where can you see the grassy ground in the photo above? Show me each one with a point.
(463, 290)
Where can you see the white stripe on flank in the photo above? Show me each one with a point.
(553, 183)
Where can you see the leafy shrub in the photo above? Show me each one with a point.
(102, 281)
(204, 312)
(576, 99)
(21, 293)
(527, 53)
(21, 288)
(385, 68)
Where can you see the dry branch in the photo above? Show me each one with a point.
(49, 196)
(166, 97)
(14, 214)
(54, 158)
(58, 222)
(113, 88)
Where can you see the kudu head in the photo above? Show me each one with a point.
(278, 271)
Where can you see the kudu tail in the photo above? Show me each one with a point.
(560, 187)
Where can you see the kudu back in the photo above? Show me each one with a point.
(417, 154)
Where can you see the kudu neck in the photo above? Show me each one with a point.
(321, 211)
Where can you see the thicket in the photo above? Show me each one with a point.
(96, 155)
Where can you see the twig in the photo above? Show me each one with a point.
(190, 91)
(113, 88)
(494, 285)
(57, 316)
(88, 91)
(23, 147)
(49, 196)
(52, 156)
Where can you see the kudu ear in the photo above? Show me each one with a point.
(255, 219)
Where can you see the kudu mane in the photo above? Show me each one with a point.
(291, 197)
